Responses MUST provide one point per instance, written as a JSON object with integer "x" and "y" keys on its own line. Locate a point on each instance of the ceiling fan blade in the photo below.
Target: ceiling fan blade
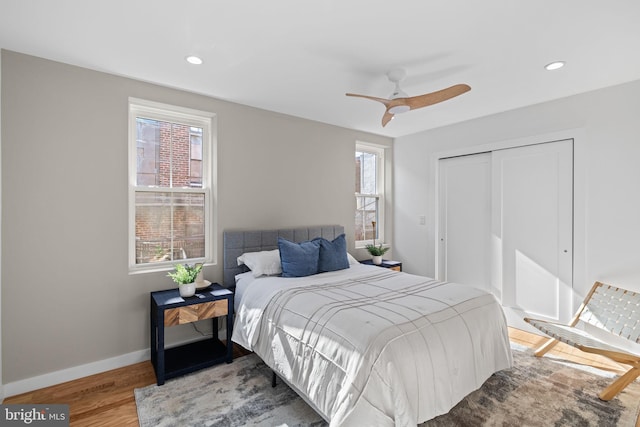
{"x": 386, "y": 118}
{"x": 436, "y": 97}
{"x": 373, "y": 98}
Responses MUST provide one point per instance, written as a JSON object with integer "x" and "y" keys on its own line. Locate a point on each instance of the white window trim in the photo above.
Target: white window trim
{"x": 171, "y": 113}
{"x": 379, "y": 150}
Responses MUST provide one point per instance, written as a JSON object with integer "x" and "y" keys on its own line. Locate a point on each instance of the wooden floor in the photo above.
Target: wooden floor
{"x": 106, "y": 399}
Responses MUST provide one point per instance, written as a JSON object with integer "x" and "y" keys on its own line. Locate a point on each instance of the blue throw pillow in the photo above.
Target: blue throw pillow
{"x": 298, "y": 259}
{"x": 333, "y": 255}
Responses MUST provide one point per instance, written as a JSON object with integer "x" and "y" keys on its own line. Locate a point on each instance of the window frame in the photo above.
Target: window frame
{"x": 379, "y": 151}
{"x": 187, "y": 116}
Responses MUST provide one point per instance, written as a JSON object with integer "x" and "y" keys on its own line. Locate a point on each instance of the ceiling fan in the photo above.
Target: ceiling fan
{"x": 400, "y": 102}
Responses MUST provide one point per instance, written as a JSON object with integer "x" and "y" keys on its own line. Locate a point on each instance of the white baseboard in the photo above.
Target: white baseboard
{"x": 69, "y": 374}
{"x": 515, "y": 319}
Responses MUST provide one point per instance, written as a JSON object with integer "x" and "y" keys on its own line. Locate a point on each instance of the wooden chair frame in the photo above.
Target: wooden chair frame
{"x": 610, "y": 309}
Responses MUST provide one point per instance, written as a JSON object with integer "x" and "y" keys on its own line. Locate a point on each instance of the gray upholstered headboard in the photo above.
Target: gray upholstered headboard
{"x": 237, "y": 242}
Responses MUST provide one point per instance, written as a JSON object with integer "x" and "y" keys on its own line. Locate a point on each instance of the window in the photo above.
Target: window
{"x": 369, "y": 215}
{"x": 170, "y": 185}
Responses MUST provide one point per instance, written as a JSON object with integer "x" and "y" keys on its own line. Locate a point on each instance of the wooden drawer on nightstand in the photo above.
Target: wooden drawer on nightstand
{"x": 193, "y": 313}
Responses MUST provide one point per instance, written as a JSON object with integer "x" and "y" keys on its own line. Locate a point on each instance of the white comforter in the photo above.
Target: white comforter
{"x": 370, "y": 346}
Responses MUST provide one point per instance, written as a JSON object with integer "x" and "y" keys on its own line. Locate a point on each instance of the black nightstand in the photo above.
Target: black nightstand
{"x": 168, "y": 308}
{"x": 386, "y": 263}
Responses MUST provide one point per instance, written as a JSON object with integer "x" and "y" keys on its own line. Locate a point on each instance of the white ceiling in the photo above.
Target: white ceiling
{"x": 300, "y": 57}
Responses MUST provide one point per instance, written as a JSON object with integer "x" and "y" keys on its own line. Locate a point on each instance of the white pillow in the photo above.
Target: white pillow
{"x": 352, "y": 260}
{"x": 262, "y": 263}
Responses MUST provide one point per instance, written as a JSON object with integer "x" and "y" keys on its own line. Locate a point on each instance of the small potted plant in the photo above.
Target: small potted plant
{"x": 185, "y": 276}
{"x": 376, "y": 252}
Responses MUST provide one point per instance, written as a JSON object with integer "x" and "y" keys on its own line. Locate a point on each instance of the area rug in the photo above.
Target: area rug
{"x": 535, "y": 392}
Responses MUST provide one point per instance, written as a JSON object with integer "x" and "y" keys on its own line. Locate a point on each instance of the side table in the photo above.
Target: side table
{"x": 386, "y": 263}
{"x": 168, "y": 308}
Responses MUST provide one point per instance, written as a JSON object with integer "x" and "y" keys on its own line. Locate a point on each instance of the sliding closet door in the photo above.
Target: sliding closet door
{"x": 532, "y": 212}
{"x": 505, "y": 225}
{"x": 465, "y": 220}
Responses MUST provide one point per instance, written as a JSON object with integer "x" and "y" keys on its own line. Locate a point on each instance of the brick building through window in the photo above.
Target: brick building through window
{"x": 169, "y": 218}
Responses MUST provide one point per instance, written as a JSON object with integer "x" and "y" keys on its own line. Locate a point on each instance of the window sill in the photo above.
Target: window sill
{"x": 364, "y": 244}
{"x": 135, "y": 270}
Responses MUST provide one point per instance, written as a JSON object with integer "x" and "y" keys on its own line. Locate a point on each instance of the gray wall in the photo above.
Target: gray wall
{"x": 606, "y": 129}
{"x": 67, "y": 297}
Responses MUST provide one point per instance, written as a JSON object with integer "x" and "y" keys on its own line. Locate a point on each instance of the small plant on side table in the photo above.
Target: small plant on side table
{"x": 185, "y": 276}
{"x": 376, "y": 250}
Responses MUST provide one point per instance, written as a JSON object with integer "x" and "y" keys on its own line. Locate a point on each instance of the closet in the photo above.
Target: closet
{"x": 505, "y": 225}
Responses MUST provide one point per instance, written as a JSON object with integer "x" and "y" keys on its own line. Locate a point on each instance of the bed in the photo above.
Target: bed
{"x": 364, "y": 345}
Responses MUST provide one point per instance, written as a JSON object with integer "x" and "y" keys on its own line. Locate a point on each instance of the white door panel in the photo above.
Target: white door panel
{"x": 532, "y": 218}
{"x": 465, "y": 205}
{"x": 505, "y": 224}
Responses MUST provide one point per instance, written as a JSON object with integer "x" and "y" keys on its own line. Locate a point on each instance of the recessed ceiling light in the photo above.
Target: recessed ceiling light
{"x": 554, "y": 65}
{"x": 194, "y": 60}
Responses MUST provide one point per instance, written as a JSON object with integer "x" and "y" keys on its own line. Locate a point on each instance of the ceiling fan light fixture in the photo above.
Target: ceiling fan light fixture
{"x": 399, "y": 109}
{"x": 400, "y": 102}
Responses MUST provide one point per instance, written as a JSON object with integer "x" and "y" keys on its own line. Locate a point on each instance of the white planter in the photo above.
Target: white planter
{"x": 377, "y": 259}
{"x": 187, "y": 290}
